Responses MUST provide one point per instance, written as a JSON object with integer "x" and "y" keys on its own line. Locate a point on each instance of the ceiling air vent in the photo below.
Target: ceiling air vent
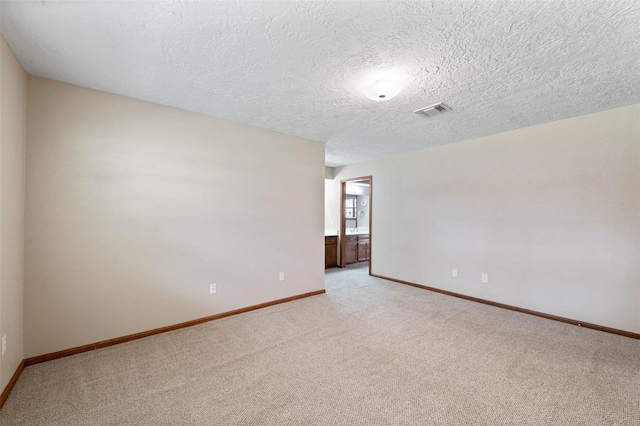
{"x": 431, "y": 110}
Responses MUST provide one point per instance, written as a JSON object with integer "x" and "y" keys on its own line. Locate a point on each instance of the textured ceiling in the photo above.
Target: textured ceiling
{"x": 299, "y": 67}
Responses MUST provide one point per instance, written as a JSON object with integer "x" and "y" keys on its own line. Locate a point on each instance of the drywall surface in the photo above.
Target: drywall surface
{"x": 332, "y": 205}
{"x": 133, "y": 209}
{"x": 551, "y": 213}
{"x": 13, "y": 116}
{"x": 363, "y": 211}
{"x": 328, "y": 172}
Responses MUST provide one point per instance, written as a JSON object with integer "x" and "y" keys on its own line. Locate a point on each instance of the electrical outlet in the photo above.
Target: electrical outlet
{"x": 212, "y": 289}
{"x": 281, "y": 276}
{"x": 4, "y": 344}
{"x": 454, "y": 273}
{"x": 484, "y": 278}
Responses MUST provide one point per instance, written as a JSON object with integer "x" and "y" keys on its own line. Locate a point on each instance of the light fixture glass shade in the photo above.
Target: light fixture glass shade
{"x": 382, "y": 90}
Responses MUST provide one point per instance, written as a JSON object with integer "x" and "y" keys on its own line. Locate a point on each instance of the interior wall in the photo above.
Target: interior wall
{"x": 363, "y": 211}
{"x": 133, "y": 209}
{"x": 328, "y": 172}
{"x": 13, "y": 108}
{"x": 551, "y": 213}
{"x": 331, "y": 206}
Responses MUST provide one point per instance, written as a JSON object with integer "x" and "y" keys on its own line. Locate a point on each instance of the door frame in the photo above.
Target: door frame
{"x": 343, "y": 226}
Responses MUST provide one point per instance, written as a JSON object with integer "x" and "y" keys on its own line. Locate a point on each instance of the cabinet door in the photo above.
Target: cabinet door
{"x": 351, "y": 252}
{"x": 330, "y": 252}
{"x": 330, "y": 256}
{"x": 363, "y": 249}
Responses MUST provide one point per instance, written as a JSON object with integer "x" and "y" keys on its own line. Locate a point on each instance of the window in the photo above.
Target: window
{"x": 351, "y": 207}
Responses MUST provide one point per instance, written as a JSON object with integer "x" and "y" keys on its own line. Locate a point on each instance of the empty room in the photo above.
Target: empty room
{"x": 173, "y": 174}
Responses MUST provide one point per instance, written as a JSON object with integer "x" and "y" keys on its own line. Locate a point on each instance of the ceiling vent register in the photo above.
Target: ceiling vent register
{"x": 433, "y": 110}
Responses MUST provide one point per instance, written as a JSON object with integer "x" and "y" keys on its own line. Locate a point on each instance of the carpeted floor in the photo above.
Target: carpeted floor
{"x": 369, "y": 352}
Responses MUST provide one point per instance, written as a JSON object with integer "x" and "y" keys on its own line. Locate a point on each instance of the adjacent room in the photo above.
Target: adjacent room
{"x": 170, "y": 170}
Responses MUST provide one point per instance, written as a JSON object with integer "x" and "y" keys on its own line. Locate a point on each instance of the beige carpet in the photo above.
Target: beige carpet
{"x": 369, "y": 352}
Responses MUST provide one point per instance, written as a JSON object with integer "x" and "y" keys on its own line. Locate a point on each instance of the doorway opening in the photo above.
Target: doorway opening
{"x": 355, "y": 221}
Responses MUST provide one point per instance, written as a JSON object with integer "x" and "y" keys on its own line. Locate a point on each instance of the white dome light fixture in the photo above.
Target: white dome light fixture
{"x": 382, "y": 90}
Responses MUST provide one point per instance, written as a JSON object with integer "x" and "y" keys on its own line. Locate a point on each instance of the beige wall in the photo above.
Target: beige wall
{"x": 363, "y": 212}
{"x": 133, "y": 209}
{"x": 331, "y": 205}
{"x": 13, "y": 108}
{"x": 551, "y": 213}
{"x": 328, "y": 172}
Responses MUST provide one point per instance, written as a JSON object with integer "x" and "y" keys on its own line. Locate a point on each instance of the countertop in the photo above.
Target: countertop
{"x": 334, "y": 232}
{"x": 357, "y": 233}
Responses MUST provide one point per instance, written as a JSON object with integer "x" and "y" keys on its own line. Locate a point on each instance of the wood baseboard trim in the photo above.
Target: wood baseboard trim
{"x": 105, "y": 343}
{"x": 7, "y": 390}
{"x": 517, "y": 309}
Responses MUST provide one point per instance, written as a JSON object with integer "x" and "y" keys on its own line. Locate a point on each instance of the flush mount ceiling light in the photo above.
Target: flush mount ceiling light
{"x": 382, "y": 90}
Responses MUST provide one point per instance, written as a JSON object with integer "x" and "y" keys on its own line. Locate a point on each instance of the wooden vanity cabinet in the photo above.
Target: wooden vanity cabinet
{"x": 357, "y": 248}
{"x": 363, "y": 248}
{"x": 351, "y": 249}
{"x": 330, "y": 251}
